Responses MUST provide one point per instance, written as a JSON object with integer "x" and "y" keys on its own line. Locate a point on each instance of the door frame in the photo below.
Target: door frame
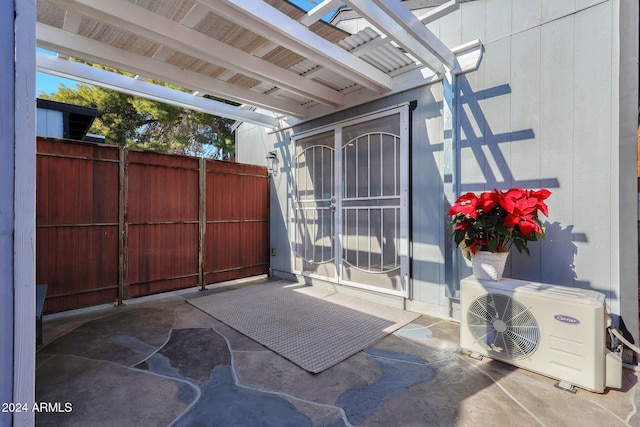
{"x": 403, "y": 110}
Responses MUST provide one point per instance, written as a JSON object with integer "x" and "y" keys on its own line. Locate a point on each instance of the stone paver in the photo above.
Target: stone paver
{"x": 167, "y": 363}
{"x": 107, "y": 394}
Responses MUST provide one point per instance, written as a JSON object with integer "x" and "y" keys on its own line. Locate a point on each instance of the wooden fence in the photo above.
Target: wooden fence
{"x": 115, "y": 223}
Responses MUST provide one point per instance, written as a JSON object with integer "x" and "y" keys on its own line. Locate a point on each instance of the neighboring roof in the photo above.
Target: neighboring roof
{"x": 267, "y": 54}
{"x": 76, "y": 119}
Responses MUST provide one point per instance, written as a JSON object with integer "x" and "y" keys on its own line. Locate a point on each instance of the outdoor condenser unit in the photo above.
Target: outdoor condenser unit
{"x": 555, "y": 331}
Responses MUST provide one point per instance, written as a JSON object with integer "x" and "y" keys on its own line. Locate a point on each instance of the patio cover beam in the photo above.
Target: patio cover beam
{"x": 377, "y": 17}
{"x": 85, "y": 73}
{"x": 440, "y": 11}
{"x": 319, "y": 11}
{"x": 152, "y": 26}
{"x": 417, "y": 30}
{"x": 388, "y": 25}
{"x": 70, "y": 44}
{"x": 268, "y": 22}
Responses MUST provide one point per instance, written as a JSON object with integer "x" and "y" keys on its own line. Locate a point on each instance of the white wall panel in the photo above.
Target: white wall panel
{"x": 253, "y": 144}
{"x": 428, "y": 210}
{"x": 498, "y": 20}
{"x": 582, "y": 4}
{"x": 525, "y": 105}
{"x": 471, "y": 27}
{"x": 525, "y": 14}
{"x": 557, "y": 146}
{"x": 593, "y": 146}
{"x": 625, "y": 133}
{"x": 451, "y": 30}
{"x": 525, "y": 121}
{"x": 474, "y": 162}
{"x": 554, "y": 9}
{"x": 496, "y": 109}
{"x": 50, "y": 123}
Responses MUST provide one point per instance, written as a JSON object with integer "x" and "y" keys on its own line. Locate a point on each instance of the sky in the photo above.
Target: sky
{"x": 48, "y": 83}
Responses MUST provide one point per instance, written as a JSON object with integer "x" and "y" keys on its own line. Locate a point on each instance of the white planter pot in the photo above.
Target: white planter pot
{"x": 489, "y": 265}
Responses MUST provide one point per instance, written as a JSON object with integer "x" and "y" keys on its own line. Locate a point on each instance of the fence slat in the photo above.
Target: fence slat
{"x": 122, "y": 229}
{"x": 76, "y": 205}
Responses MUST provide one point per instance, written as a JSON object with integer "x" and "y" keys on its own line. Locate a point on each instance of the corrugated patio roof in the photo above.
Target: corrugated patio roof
{"x": 268, "y": 54}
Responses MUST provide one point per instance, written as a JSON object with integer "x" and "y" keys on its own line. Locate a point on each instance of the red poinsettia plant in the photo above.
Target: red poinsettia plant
{"x": 494, "y": 221}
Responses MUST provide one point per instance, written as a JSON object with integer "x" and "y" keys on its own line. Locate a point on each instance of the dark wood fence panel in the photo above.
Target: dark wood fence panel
{"x": 237, "y": 229}
{"x": 114, "y": 223}
{"x": 162, "y": 223}
{"x": 77, "y": 223}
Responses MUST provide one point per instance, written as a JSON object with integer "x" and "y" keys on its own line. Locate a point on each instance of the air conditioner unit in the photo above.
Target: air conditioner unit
{"x": 555, "y": 331}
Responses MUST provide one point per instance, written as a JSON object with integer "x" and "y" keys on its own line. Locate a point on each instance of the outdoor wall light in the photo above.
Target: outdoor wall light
{"x": 272, "y": 162}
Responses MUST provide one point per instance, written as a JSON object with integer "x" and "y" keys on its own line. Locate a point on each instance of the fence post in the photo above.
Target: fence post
{"x": 202, "y": 216}
{"x": 123, "y": 197}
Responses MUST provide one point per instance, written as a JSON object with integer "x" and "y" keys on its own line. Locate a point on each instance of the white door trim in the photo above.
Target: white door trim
{"x": 403, "y": 247}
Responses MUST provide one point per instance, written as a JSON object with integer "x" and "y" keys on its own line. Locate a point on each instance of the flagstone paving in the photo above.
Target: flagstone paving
{"x": 164, "y": 362}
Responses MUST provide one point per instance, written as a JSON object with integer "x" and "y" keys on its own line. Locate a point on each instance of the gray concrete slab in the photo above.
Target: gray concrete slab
{"x": 101, "y": 393}
{"x": 125, "y": 336}
{"x": 164, "y": 362}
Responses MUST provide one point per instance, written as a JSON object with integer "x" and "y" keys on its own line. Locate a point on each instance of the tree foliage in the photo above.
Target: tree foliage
{"x": 132, "y": 121}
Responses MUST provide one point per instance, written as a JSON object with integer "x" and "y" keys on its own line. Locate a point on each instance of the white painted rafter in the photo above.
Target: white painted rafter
{"x": 316, "y": 14}
{"x": 270, "y": 23}
{"x": 191, "y": 19}
{"x": 87, "y": 74}
{"x": 303, "y": 91}
{"x": 469, "y": 56}
{"x": 144, "y": 23}
{"x": 194, "y": 16}
{"x": 440, "y": 11}
{"x": 381, "y": 20}
{"x": 90, "y": 50}
{"x": 72, "y": 21}
{"x": 417, "y": 30}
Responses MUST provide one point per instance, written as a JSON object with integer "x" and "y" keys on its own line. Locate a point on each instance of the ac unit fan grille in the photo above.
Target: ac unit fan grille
{"x": 503, "y": 326}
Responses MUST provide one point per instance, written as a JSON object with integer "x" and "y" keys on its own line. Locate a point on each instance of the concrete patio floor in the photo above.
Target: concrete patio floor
{"x": 161, "y": 361}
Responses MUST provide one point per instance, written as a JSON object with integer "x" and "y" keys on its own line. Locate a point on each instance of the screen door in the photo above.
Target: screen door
{"x": 350, "y": 203}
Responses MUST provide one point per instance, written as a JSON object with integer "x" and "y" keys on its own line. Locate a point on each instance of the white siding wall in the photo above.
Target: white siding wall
{"x": 428, "y": 216}
{"x": 554, "y": 104}
{"x": 565, "y": 120}
{"x": 50, "y": 123}
{"x": 253, "y": 144}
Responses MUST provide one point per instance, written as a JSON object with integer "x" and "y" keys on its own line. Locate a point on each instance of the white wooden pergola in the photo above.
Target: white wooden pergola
{"x": 279, "y": 64}
{"x": 271, "y": 57}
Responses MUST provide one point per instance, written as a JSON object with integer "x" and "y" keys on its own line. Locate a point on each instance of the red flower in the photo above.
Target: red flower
{"x": 496, "y": 220}
{"x": 524, "y": 222}
{"x": 522, "y": 215}
{"x": 489, "y": 200}
{"x": 467, "y": 204}
{"x": 540, "y": 196}
{"x": 509, "y": 199}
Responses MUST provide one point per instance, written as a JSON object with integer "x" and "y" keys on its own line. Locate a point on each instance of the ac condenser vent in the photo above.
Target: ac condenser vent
{"x": 554, "y": 330}
{"x": 505, "y": 328}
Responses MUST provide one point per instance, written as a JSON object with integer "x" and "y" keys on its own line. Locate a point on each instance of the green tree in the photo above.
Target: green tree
{"x": 132, "y": 121}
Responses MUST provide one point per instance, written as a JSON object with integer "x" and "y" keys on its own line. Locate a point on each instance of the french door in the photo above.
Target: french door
{"x": 349, "y": 214}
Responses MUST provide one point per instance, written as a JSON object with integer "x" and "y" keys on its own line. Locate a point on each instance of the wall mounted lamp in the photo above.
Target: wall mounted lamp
{"x": 272, "y": 162}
